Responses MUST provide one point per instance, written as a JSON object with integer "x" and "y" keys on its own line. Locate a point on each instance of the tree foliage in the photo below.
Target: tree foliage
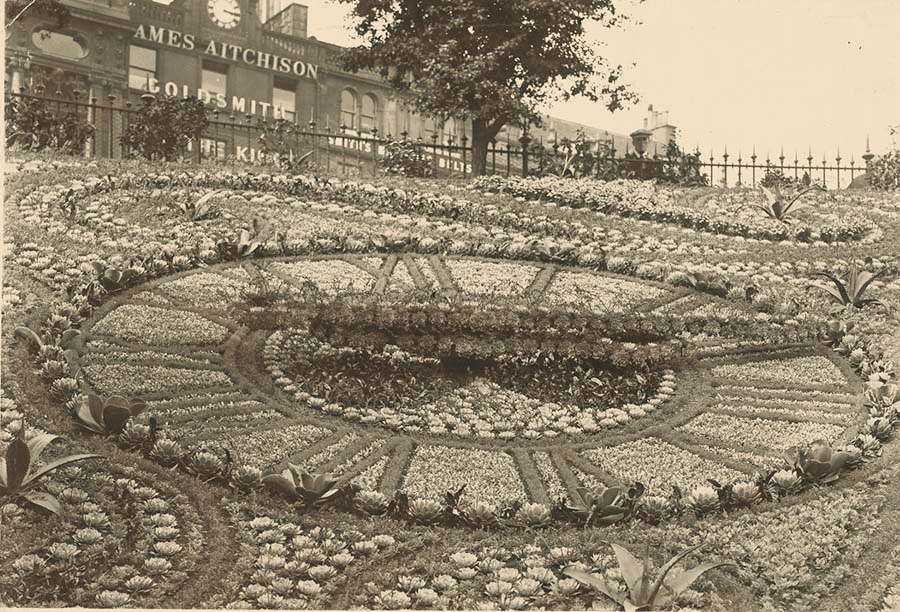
{"x": 50, "y": 13}
{"x": 491, "y": 61}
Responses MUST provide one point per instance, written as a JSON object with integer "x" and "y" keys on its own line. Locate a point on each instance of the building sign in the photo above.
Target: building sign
{"x": 238, "y": 104}
{"x": 235, "y": 53}
{"x": 361, "y": 143}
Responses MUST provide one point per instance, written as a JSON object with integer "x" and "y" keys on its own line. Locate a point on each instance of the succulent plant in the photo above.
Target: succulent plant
{"x": 135, "y": 435}
{"x": 787, "y": 482}
{"x": 818, "y": 464}
{"x": 878, "y": 427}
{"x": 869, "y": 445}
{"x": 201, "y": 209}
{"x": 297, "y": 484}
{"x": 603, "y": 504}
{"x": 425, "y": 511}
{"x": 535, "y": 515}
{"x": 17, "y": 469}
{"x": 242, "y": 247}
{"x": 107, "y": 417}
{"x": 775, "y": 206}
{"x": 642, "y": 594}
{"x": 167, "y": 452}
{"x": 883, "y": 400}
{"x": 114, "y": 280}
{"x": 206, "y": 465}
{"x": 482, "y": 515}
{"x": 246, "y": 477}
{"x": 372, "y": 502}
{"x": 745, "y": 494}
{"x": 850, "y": 292}
{"x": 703, "y": 500}
{"x": 52, "y": 369}
{"x": 47, "y": 341}
{"x": 654, "y": 508}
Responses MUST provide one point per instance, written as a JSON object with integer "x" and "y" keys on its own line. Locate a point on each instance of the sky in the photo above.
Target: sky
{"x": 738, "y": 75}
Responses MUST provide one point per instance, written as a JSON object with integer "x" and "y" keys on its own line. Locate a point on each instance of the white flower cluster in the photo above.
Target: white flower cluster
{"x": 489, "y": 476}
{"x": 160, "y": 326}
{"x": 658, "y": 465}
{"x": 799, "y": 370}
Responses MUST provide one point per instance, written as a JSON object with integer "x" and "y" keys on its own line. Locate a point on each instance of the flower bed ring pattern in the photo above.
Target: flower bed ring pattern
{"x": 480, "y": 414}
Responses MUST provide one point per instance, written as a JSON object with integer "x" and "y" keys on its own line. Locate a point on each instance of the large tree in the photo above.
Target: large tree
{"x": 491, "y": 61}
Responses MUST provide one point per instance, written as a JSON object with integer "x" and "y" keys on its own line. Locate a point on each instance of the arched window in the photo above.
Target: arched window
{"x": 428, "y": 129}
{"x": 450, "y": 132}
{"x": 368, "y": 114}
{"x": 348, "y": 109}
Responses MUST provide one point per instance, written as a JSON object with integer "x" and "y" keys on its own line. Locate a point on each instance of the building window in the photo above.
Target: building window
{"x": 141, "y": 67}
{"x": 450, "y": 132}
{"x": 212, "y": 149}
{"x": 57, "y": 43}
{"x": 214, "y": 78}
{"x": 284, "y": 99}
{"x": 367, "y": 116}
{"x": 348, "y": 109}
{"x": 428, "y": 129}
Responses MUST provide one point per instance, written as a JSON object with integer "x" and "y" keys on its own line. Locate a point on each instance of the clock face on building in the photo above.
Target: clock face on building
{"x": 224, "y": 13}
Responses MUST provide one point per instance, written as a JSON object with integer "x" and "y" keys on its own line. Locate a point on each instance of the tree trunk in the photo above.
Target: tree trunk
{"x": 483, "y": 133}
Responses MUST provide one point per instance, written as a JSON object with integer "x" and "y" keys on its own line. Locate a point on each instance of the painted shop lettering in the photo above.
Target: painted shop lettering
{"x": 238, "y": 105}
{"x": 235, "y": 53}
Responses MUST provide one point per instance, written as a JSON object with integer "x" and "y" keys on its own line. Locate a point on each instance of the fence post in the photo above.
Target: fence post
{"x": 725, "y": 167}
{"x": 434, "y": 137}
{"x": 493, "y": 156}
{"x": 524, "y": 140}
{"x": 541, "y": 158}
{"x": 465, "y": 140}
{"x": 739, "y": 169}
{"x": 809, "y": 159}
{"x": 838, "y": 160}
{"x": 753, "y": 159}
{"x": 374, "y": 151}
{"x": 450, "y": 156}
{"x": 612, "y": 158}
{"x": 824, "y": 161}
{"x": 508, "y": 153}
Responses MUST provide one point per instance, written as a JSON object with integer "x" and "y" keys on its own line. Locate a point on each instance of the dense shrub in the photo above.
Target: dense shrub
{"x": 406, "y": 158}
{"x": 34, "y": 124}
{"x": 885, "y": 171}
{"x": 165, "y": 125}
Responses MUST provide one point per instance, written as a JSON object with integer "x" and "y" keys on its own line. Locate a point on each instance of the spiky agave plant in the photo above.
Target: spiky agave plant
{"x": 850, "y": 292}
{"x": 642, "y": 594}
{"x": 604, "y": 504}
{"x": 17, "y": 469}
{"x": 775, "y": 206}
{"x": 298, "y": 484}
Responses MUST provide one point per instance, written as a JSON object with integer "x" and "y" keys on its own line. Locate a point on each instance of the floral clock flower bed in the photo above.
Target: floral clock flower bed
{"x": 350, "y": 371}
{"x": 459, "y": 360}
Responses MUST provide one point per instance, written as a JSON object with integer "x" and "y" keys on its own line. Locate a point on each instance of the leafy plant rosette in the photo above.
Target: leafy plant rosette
{"x": 402, "y": 365}
{"x": 19, "y": 474}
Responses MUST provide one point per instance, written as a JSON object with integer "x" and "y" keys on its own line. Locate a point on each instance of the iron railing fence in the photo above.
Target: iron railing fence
{"x": 239, "y": 140}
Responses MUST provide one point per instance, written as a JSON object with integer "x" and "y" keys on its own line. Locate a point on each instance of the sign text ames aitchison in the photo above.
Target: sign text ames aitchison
{"x": 235, "y": 53}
